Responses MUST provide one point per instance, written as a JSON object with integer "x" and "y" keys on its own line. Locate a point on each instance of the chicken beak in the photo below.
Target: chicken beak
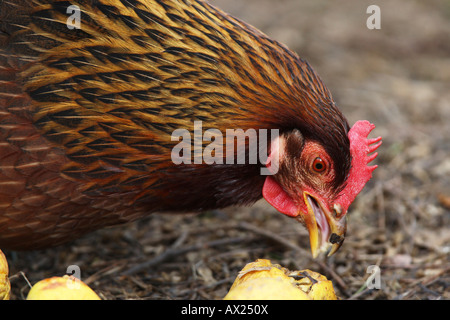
{"x": 326, "y": 229}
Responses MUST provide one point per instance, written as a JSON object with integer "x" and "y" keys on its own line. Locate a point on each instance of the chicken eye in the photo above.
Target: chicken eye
{"x": 319, "y": 165}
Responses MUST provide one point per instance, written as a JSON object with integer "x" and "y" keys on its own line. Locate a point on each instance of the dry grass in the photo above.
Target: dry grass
{"x": 398, "y": 78}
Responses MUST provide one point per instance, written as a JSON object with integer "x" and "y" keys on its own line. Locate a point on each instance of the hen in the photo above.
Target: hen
{"x": 91, "y": 93}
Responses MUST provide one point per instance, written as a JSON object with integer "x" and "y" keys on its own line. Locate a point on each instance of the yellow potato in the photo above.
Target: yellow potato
{"x": 5, "y": 286}
{"x": 262, "y": 280}
{"x": 61, "y": 288}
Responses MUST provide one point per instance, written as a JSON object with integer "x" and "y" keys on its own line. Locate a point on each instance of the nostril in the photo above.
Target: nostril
{"x": 337, "y": 210}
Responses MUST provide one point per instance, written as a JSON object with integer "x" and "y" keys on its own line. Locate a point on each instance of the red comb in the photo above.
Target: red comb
{"x": 360, "y": 171}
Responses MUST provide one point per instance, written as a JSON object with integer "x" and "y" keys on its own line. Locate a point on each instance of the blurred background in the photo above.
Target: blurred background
{"x": 398, "y": 77}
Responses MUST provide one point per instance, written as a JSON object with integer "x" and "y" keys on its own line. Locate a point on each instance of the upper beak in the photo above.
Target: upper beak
{"x": 326, "y": 229}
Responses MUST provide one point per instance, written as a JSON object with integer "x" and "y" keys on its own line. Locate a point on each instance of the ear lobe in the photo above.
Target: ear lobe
{"x": 272, "y": 191}
{"x": 276, "y": 154}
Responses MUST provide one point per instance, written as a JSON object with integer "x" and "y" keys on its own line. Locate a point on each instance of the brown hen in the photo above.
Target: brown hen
{"x": 87, "y": 115}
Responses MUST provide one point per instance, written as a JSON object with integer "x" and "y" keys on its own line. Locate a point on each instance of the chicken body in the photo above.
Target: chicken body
{"x": 87, "y": 114}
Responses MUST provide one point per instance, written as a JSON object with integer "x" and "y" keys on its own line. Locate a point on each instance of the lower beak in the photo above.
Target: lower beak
{"x": 326, "y": 229}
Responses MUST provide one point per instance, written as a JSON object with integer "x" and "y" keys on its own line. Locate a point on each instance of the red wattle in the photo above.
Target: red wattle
{"x": 278, "y": 198}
